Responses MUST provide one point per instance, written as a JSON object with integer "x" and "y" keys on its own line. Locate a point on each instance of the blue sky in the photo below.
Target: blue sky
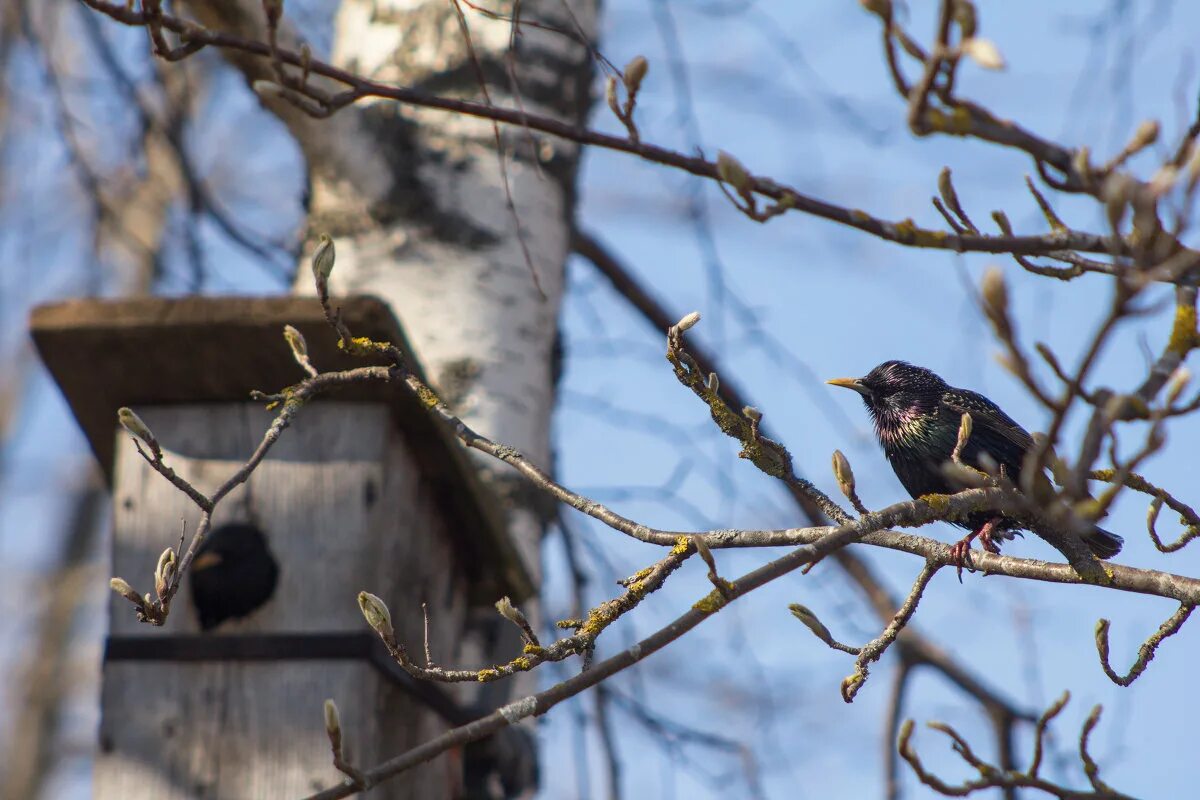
{"x": 797, "y": 91}
{"x": 800, "y": 92}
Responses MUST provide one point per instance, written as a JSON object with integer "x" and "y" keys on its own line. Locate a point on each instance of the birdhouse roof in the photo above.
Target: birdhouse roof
{"x": 105, "y": 354}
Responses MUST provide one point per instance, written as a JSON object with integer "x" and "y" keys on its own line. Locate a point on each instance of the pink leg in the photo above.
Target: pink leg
{"x": 960, "y": 549}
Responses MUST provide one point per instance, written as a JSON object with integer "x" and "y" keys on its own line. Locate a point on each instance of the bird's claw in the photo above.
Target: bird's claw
{"x": 960, "y": 549}
{"x": 958, "y": 554}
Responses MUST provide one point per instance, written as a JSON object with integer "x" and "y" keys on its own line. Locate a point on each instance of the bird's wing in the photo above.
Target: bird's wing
{"x": 993, "y": 431}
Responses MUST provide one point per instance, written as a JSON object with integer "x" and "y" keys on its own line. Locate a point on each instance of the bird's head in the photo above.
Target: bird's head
{"x": 897, "y": 390}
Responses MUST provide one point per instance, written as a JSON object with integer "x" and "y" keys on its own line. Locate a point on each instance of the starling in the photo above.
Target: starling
{"x": 917, "y": 417}
{"x": 232, "y": 575}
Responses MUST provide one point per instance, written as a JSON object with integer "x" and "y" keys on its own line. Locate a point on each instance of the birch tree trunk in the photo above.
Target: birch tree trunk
{"x": 437, "y": 238}
{"x": 417, "y": 203}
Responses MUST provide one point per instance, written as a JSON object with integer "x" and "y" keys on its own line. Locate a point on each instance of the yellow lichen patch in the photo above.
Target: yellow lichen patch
{"x": 681, "y": 546}
{"x": 1183, "y": 333}
{"x": 485, "y": 675}
{"x": 639, "y": 576}
{"x": 859, "y": 217}
{"x": 938, "y": 502}
{"x": 906, "y": 231}
{"x": 522, "y": 663}
{"x": 1103, "y": 577}
{"x": 362, "y": 345}
{"x": 599, "y": 618}
{"x": 533, "y": 650}
{"x": 427, "y": 396}
{"x": 960, "y": 121}
{"x": 710, "y": 603}
{"x": 927, "y": 238}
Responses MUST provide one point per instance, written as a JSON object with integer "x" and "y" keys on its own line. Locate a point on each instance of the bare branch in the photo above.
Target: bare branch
{"x": 906, "y": 232}
{"x": 875, "y": 648}
{"x": 1148, "y": 649}
{"x": 993, "y": 777}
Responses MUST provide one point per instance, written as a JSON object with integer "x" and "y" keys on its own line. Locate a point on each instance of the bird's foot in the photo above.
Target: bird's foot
{"x": 985, "y": 536}
{"x": 960, "y": 549}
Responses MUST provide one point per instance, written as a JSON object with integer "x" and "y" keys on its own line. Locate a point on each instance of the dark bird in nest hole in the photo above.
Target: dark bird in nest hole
{"x": 917, "y": 417}
{"x": 233, "y": 574}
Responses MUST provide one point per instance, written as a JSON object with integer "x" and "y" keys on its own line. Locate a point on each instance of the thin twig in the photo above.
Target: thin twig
{"x": 1148, "y": 649}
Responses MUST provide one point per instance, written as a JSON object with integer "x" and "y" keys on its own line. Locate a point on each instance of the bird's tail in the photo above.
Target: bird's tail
{"x": 1103, "y": 543}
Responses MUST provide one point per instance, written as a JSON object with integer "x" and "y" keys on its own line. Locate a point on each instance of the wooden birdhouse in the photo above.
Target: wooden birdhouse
{"x": 365, "y": 491}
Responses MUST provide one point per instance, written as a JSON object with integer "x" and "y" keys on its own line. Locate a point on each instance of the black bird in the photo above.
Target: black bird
{"x": 232, "y": 575}
{"x": 917, "y": 417}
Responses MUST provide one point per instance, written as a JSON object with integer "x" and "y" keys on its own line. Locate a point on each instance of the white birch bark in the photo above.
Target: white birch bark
{"x": 416, "y": 203}
{"x": 442, "y": 246}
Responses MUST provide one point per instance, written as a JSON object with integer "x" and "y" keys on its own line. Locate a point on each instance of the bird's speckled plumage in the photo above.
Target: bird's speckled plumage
{"x": 917, "y": 417}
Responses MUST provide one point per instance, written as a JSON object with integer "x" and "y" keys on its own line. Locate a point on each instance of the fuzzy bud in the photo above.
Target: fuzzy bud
{"x": 1146, "y": 135}
{"x": 333, "y": 724}
{"x": 714, "y": 383}
{"x": 134, "y": 424}
{"x": 946, "y": 189}
{"x": 965, "y": 426}
{"x": 1002, "y": 222}
{"x": 322, "y": 260}
{"x": 730, "y": 170}
{"x": 510, "y": 612}
{"x": 122, "y": 587}
{"x": 377, "y": 615}
{"x": 635, "y": 72}
{"x": 751, "y": 413}
{"x": 295, "y": 340}
{"x": 514, "y": 615}
{"x": 995, "y": 294}
{"x": 842, "y": 471}
{"x": 983, "y": 52}
{"x": 811, "y": 622}
{"x": 688, "y": 322}
{"x": 163, "y": 572}
{"x": 610, "y": 93}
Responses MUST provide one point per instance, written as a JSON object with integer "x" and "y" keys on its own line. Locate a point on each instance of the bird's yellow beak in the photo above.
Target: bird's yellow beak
{"x": 848, "y": 383}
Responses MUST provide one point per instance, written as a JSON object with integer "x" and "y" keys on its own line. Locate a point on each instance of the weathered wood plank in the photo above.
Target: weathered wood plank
{"x": 344, "y": 507}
